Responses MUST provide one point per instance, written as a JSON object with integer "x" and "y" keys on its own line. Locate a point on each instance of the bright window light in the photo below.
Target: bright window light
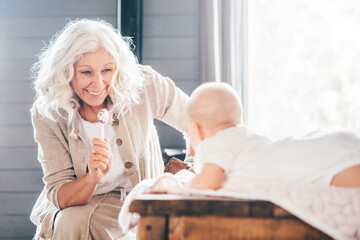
{"x": 304, "y": 66}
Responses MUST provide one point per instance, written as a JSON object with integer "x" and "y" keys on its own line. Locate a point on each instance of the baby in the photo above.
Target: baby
{"x": 226, "y": 151}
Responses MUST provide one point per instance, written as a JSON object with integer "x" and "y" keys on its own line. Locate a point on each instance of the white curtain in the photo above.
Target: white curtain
{"x": 223, "y": 44}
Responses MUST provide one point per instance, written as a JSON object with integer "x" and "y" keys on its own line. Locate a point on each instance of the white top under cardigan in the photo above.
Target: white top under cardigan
{"x": 116, "y": 177}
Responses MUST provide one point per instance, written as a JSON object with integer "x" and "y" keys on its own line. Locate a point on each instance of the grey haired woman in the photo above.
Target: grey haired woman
{"x": 87, "y": 67}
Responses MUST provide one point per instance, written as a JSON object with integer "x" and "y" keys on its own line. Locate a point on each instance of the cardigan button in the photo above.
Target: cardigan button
{"x": 115, "y": 122}
{"x": 128, "y": 165}
{"x": 118, "y": 141}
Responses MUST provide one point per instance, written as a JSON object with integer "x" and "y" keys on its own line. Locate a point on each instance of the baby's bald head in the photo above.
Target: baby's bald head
{"x": 215, "y": 106}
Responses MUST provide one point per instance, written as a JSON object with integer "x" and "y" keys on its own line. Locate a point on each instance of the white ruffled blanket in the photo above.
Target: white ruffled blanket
{"x": 333, "y": 210}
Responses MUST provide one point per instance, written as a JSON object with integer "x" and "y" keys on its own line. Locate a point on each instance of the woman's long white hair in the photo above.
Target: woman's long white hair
{"x": 55, "y": 69}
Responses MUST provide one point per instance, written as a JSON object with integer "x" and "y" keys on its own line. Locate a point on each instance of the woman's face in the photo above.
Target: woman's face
{"x": 92, "y": 77}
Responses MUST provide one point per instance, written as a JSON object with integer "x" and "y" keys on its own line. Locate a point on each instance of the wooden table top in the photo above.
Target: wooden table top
{"x": 175, "y": 205}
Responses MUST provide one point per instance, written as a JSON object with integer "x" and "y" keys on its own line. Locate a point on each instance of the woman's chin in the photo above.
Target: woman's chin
{"x": 94, "y": 103}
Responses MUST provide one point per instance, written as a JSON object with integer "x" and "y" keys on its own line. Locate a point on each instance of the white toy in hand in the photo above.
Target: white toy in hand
{"x": 103, "y": 117}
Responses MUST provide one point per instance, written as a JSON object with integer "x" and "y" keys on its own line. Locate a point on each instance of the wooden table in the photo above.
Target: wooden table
{"x": 166, "y": 216}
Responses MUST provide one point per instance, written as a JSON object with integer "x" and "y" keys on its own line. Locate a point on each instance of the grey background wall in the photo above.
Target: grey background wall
{"x": 170, "y": 46}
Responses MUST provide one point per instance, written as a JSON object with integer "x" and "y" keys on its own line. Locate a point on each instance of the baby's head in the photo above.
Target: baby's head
{"x": 212, "y": 107}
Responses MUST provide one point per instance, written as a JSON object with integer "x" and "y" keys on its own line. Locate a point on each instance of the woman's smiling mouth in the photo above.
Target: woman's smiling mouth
{"x": 95, "y": 93}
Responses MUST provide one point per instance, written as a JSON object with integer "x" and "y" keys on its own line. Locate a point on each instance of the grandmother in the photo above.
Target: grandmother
{"x": 88, "y": 66}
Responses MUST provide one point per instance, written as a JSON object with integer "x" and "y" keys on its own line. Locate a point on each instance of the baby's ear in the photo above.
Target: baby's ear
{"x": 199, "y": 130}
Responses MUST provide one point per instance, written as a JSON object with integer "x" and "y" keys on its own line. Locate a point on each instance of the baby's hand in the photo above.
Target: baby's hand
{"x": 100, "y": 159}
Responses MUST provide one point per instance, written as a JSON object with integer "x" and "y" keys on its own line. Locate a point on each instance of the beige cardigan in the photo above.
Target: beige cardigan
{"x": 63, "y": 157}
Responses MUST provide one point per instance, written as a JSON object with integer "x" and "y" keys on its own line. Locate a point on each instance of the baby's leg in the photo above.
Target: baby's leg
{"x": 349, "y": 177}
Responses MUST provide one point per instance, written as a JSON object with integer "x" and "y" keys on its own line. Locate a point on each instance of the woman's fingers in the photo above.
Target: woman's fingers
{"x": 97, "y": 150}
{"x": 109, "y": 165}
{"x": 98, "y": 165}
{"x": 101, "y": 143}
{"x": 99, "y": 158}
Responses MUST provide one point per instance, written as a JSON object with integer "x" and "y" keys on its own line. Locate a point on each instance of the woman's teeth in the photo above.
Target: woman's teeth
{"x": 95, "y": 93}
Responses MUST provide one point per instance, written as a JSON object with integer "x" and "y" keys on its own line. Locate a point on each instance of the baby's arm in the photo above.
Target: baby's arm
{"x": 349, "y": 177}
{"x": 210, "y": 177}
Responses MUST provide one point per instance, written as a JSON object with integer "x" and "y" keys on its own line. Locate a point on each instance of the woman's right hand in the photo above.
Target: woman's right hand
{"x": 100, "y": 159}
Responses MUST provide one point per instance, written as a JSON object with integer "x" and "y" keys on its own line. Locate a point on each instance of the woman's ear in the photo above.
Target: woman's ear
{"x": 199, "y": 130}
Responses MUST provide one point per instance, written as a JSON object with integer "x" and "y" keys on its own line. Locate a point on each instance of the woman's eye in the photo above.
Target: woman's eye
{"x": 107, "y": 70}
{"x": 86, "y": 72}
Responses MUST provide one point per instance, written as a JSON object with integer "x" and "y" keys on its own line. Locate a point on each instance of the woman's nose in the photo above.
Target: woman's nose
{"x": 98, "y": 79}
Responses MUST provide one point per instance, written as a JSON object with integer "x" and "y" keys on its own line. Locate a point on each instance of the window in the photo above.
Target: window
{"x": 304, "y": 66}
